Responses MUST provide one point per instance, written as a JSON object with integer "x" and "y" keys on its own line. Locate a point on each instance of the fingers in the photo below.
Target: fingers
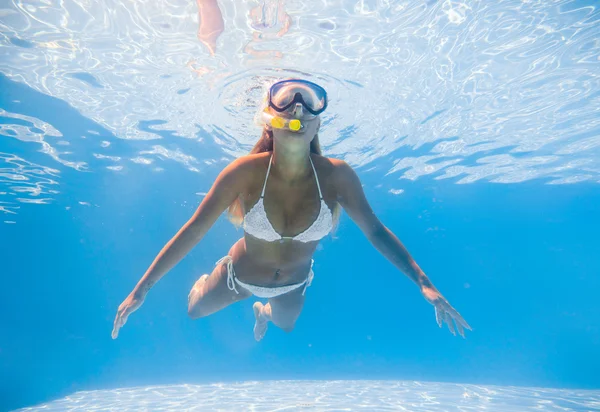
{"x": 120, "y": 320}
{"x": 461, "y": 321}
{"x": 464, "y": 323}
{"x": 438, "y": 316}
{"x": 116, "y": 327}
{"x": 450, "y": 323}
{"x": 458, "y": 319}
{"x": 446, "y": 313}
{"x": 461, "y": 331}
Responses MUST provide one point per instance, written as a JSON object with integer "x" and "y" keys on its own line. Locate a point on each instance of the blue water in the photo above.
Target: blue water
{"x": 473, "y": 128}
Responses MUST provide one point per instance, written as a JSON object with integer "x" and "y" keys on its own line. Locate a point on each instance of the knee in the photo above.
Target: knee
{"x": 287, "y": 327}
{"x": 284, "y": 320}
{"x": 195, "y": 298}
{"x": 196, "y": 312}
{"x": 193, "y": 313}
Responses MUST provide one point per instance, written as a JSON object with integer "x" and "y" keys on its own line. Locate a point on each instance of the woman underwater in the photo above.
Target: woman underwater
{"x": 287, "y": 198}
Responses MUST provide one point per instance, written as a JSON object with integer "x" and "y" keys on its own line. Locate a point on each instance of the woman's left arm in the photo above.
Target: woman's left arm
{"x": 352, "y": 198}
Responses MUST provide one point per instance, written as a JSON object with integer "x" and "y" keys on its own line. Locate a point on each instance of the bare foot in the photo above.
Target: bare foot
{"x": 260, "y": 327}
{"x": 197, "y": 288}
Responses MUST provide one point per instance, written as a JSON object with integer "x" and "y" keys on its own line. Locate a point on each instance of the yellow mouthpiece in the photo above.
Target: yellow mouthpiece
{"x": 277, "y": 122}
{"x": 295, "y": 125}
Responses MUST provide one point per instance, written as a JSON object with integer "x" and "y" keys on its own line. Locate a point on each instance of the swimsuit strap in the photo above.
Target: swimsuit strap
{"x": 266, "y": 177}
{"x": 316, "y": 177}
{"x": 228, "y": 260}
{"x": 309, "y": 279}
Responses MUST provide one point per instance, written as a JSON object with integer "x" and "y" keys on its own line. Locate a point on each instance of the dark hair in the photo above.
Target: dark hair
{"x": 265, "y": 144}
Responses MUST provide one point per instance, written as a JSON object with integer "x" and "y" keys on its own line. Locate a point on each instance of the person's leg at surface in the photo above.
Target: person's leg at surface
{"x": 213, "y": 293}
{"x": 211, "y": 23}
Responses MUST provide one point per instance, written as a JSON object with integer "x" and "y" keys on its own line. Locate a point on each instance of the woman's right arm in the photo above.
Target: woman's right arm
{"x": 224, "y": 191}
{"x": 226, "y": 188}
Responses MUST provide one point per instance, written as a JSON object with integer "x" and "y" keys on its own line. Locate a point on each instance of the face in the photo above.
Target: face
{"x": 311, "y": 123}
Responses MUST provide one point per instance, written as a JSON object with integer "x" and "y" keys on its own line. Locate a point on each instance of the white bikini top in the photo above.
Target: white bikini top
{"x": 258, "y": 225}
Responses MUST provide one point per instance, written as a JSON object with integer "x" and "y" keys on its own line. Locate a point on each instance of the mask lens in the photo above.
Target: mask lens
{"x": 313, "y": 98}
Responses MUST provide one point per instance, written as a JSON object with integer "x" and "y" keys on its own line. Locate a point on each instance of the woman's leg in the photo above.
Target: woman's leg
{"x": 211, "y": 23}
{"x": 282, "y": 310}
{"x": 211, "y": 293}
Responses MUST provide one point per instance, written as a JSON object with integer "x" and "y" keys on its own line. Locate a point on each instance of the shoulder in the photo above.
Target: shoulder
{"x": 249, "y": 163}
{"x": 327, "y": 164}
{"x": 337, "y": 170}
{"x": 242, "y": 171}
{"x": 251, "y": 159}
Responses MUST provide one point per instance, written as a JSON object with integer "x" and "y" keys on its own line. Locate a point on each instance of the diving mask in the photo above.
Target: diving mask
{"x": 313, "y": 98}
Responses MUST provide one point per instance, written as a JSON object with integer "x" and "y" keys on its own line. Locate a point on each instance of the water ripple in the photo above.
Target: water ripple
{"x": 25, "y": 182}
{"x": 448, "y": 82}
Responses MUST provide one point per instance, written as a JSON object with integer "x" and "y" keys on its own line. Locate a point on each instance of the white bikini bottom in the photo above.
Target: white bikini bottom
{"x": 261, "y": 291}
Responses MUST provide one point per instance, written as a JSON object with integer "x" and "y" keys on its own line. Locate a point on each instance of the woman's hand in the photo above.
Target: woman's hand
{"x": 129, "y": 305}
{"x": 444, "y": 312}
